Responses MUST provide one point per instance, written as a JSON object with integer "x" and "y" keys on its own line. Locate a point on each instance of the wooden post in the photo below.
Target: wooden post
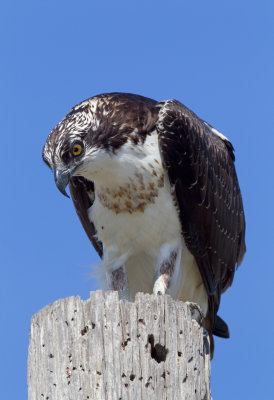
{"x": 103, "y": 348}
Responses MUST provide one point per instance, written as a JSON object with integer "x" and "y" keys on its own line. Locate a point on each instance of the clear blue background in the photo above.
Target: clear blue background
{"x": 214, "y": 56}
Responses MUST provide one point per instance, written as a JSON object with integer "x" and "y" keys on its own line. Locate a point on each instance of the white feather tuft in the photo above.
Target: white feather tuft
{"x": 98, "y": 273}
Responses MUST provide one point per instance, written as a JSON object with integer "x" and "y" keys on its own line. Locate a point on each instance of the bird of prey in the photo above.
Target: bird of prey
{"x": 156, "y": 191}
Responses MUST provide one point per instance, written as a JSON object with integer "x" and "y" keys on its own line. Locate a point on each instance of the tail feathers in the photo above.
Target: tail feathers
{"x": 220, "y": 328}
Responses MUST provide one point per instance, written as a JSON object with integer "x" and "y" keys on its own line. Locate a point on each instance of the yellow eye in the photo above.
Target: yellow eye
{"x": 77, "y": 149}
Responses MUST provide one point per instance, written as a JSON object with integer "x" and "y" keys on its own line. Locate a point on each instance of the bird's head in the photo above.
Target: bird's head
{"x": 84, "y": 142}
{"x": 69, "y": 145}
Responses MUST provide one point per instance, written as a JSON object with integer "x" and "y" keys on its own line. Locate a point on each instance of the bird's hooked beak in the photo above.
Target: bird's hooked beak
{"x": 62, "y": 177}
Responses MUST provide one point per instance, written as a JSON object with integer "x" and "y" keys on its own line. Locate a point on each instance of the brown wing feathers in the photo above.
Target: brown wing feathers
{"x": 82, "y": 193}
{"x": 201, "y": 169}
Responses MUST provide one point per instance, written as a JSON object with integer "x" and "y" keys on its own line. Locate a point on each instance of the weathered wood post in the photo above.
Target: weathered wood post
{"x": 104, "y": 348}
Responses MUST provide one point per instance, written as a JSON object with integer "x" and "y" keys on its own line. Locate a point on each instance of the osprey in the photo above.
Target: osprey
{"x": 157, "y": 193}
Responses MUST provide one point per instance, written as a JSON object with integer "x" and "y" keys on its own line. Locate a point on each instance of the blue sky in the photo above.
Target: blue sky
{"x": 218, "y": 59}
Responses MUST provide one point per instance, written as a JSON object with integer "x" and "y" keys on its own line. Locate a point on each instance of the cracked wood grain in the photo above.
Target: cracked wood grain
{"x": 106, "y": 349}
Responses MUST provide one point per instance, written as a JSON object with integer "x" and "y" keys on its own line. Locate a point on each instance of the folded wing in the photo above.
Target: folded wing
{"x": 200, "y": 166}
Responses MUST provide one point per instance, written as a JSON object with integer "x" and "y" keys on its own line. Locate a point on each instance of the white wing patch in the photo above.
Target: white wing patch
{"x": 217, "y": 133}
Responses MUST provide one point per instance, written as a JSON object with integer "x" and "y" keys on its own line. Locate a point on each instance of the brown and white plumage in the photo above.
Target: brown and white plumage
{"x": 156, "y": 191}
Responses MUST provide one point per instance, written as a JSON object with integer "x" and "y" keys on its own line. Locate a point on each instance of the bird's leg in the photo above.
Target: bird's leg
{"x": 196, "y": 311}
{"x": 168, "y": 262}
{"x": 117, "y": 280}
{"x": 114, "y": 265}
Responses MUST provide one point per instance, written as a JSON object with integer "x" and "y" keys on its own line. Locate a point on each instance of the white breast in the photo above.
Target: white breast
{"x": 135, "y": 215}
